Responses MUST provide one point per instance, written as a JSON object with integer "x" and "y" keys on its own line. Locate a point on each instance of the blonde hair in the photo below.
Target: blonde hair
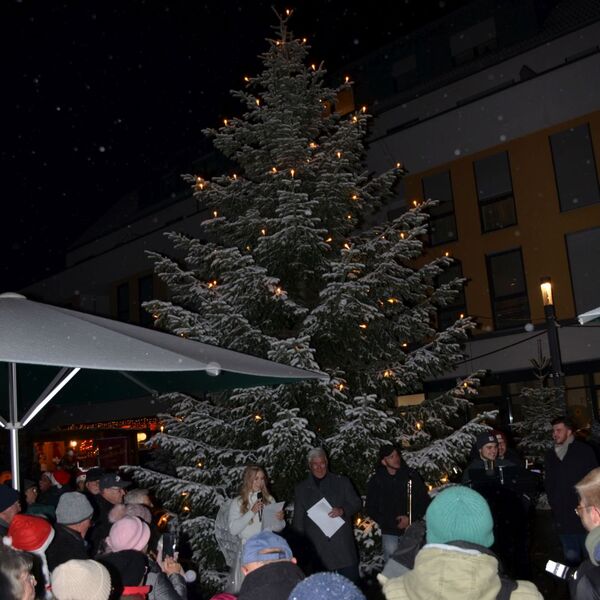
{"x": 250, "y": 473}
{"x": 589, "y": 488}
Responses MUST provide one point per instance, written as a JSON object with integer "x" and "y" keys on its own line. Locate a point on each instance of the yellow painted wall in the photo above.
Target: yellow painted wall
{"x": 540, "y": 229}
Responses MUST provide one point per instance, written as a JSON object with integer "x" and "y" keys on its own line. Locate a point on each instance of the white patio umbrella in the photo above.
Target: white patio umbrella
{"x": 590, "y": 317}
{"x": 46, "y": 347}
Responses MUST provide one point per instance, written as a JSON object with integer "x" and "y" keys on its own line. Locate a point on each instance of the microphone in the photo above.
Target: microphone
{"x": 259, "y": 497}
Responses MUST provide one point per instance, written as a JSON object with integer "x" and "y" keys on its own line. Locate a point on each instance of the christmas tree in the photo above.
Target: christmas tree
{"x": 539, "y": 405}
{"x": 288, "y": 271}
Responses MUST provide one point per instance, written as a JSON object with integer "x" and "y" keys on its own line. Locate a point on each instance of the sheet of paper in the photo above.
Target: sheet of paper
{"x": 319, "y": 514}
{"x": 269, "y": 521}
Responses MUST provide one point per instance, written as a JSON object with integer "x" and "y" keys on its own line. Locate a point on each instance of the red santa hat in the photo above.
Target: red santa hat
{"x": 29, "y": 533}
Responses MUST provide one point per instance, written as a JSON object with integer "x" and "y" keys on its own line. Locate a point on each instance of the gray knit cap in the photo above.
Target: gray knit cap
{"x": 72, "y": 508}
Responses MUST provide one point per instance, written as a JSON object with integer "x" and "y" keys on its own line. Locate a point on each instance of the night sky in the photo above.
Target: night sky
{"x": 99, "y": 95}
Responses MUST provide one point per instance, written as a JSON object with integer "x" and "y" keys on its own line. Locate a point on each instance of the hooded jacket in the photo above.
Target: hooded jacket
{"x": 445, "y": 572}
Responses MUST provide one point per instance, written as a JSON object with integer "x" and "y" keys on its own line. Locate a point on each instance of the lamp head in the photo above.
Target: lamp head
{"x": 546, "y": 289}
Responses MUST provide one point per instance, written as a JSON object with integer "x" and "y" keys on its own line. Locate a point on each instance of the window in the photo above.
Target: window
{"x": 583, "y": 249}
{"x": 145, "y": 293}
{"x": 448, "y": 315}
{"x": 495, "y": 193}
{"x": 442, "y": 225}
{"x": 508, "y": 291}
{"x": 123, "y": 302}
{"x": 575, "y": 168}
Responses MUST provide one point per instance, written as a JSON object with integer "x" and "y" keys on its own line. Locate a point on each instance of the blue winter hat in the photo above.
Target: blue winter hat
{"x": 459, "y": 513}
{"x": 325, "y": 586}
{"x": 264, "y": 546}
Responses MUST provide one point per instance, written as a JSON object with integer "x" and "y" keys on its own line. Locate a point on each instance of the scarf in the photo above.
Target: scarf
{"x": 561, "y": 449}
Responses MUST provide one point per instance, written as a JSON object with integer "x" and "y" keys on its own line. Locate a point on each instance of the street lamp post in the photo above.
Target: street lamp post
{"x": 552, "y": 330}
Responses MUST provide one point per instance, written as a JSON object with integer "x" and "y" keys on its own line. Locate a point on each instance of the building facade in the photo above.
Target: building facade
{"x": 495, "y": 112}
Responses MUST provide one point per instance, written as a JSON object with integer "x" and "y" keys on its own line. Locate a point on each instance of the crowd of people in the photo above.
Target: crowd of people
{"x": 88, "y": 538}
{"x": 82, "y": 537}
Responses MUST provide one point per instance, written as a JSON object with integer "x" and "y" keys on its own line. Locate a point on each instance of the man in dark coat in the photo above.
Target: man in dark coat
{"x": 73, "y": 519}
{"x": 387, "y": 497}
{"x": 568, "y": 462}
{"x": 338, "y": 552}
{"x": 112, "y": 492}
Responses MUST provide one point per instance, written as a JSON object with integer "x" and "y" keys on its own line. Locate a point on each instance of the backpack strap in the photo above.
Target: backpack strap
{"x": 507, "y": 587}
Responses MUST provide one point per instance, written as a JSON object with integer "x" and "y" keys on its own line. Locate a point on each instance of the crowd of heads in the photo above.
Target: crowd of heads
{"x": 48, "y": 533}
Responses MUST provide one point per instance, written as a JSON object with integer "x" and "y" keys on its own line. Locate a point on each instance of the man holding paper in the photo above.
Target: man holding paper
{"x": 324, "y": 504}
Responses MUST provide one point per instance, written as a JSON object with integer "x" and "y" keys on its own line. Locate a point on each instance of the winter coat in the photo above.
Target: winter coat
{"x": 448, "y": 572}
{"x": 339, "y": 550}
{"x": 171, "y": 587}
{"x": 478, "y": 465}
{"x": 66, "y": 545}
{"x": 387, "y": 497}
{"x": 101, "y": 528}
{"x": 586, "y": 586}
{"x": 245, "y": 526}
{"x": 274, "y": 581}
{"x": 560, "y": 479}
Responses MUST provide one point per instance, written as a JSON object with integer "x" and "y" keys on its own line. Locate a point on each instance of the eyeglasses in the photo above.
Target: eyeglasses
{"x": 579, "y": 508}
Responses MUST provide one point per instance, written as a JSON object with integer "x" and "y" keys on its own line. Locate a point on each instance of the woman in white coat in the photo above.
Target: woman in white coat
{"x": 245, "y": 513}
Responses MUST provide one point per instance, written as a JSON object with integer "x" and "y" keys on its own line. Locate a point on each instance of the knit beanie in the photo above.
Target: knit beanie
{"x": 127, "y": 568}
{"x": 485, "y": 438}
{"x": 30, "y": 533}
{"x": 118, "y": 511}
{"x": 324, "y": 586}
{"x": 459, "y": 513}
{"x": 73, "y": 507}
{"x": 81, "y": 580}
{"x": 8, "y": 496}
{"x": 128, "y": 533}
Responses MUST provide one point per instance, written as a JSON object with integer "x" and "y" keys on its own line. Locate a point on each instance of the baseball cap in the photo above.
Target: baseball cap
{"x": 110, "y": 480}
{"x": 94, "y": 474}
{"x": 264, "y": 546}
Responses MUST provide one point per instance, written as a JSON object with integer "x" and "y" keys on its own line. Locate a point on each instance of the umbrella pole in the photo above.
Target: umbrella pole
{"x": 13, "y": 424}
